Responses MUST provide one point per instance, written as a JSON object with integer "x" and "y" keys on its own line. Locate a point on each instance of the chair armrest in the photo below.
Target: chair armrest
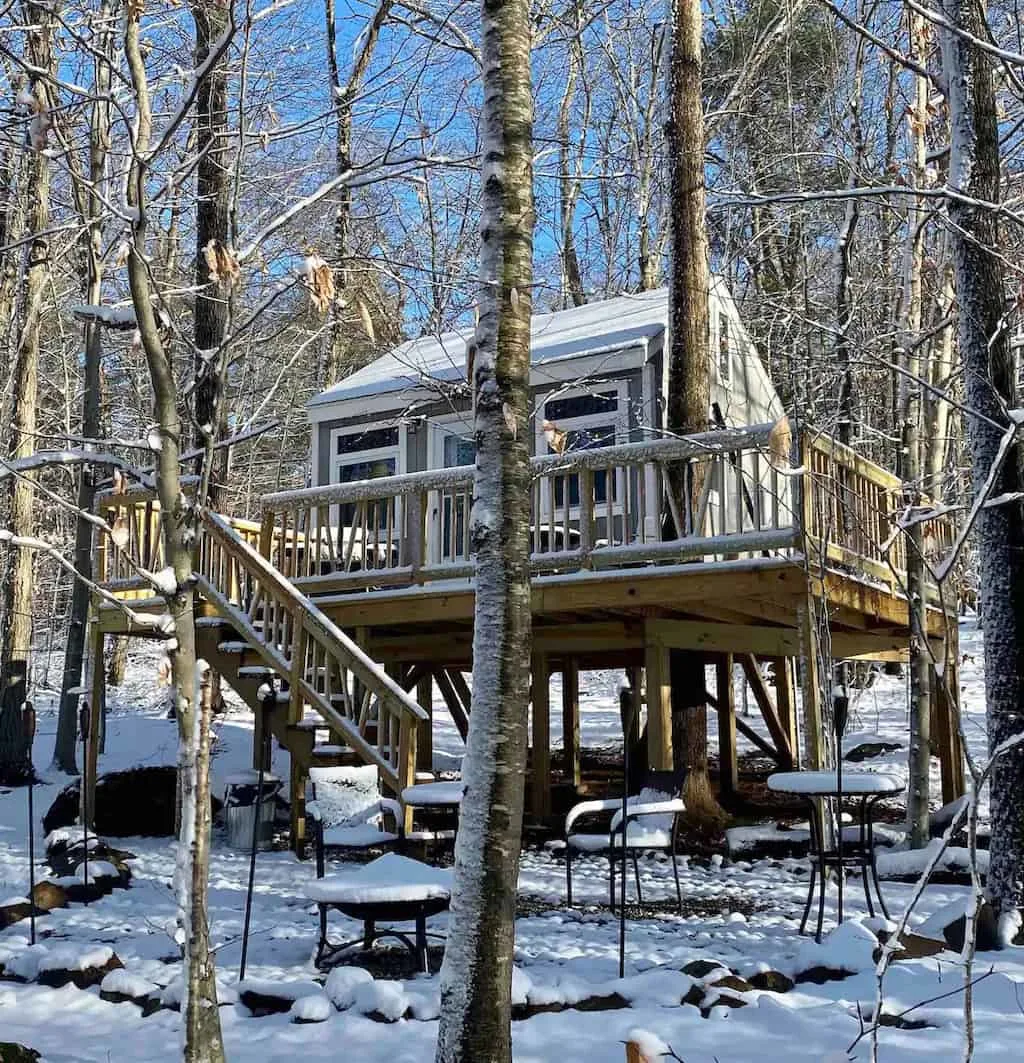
{"x": 654, "y": 808}
{"x": 609, "y": 804}
{"x": 393, "y": 808}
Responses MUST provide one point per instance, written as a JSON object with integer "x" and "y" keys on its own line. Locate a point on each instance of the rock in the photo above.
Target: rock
{"x": 120, "y": 987}
{"x": 61, "y": 968}
{"x": 269, "y": 997}
{"x": 47, "y": 895}
{"x": 819, "y": 975}
{"x": 868, "y": 750}
{"x": 14, "y": 913}
{"x": 150, "y": 1004}
{"x": 607, "y": 1002}
{"x": 12, "y": 1053}
{"x": 694, "y": 995}
{"x": 771, "y": 982}
{"x": 702, "y": 968}
{"x": 915, "y": 947}
{"x": 987, "y": 930}
{"x": 720, "y": 1000}
{"x": 135, "y": 803}
{"x": 730, "y": 981}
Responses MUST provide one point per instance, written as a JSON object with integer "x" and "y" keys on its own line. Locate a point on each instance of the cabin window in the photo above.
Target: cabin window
{"x": 365, "y": 454}
{"x": 458, "y": 450}
{"x": 583, "y": 420}
{"x": 724, "y": 350}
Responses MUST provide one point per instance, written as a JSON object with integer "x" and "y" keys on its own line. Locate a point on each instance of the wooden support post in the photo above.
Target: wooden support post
{"x": 725, "y": 705}
{"x": 425, "y": 738}
{"x": 571, "y": 719}
{"x": 540, "y": 780}
{"x": 810, "y": 685}
{"x": 763, "y": 697}
{"x": 659, "y": 706}
{"x": 947, "y": 717}
{"x": 406, "y": 768}
{"x": 785, "y": 702}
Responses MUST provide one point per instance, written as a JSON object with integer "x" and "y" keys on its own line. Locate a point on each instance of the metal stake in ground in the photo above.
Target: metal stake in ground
{"x": 627, "y": 708}
{"x": 28, "y": 723}
{"x": 83, "y": 727}
{"x": 267, "y": 708}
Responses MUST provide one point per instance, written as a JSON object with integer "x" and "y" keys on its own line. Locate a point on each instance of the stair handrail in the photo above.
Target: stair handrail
{"x": 265, "y": 571}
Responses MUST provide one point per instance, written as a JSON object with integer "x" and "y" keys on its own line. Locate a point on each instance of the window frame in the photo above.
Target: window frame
{"x": 617, "y": 418}
{"x": 395, "y": 450}
{"x": 439, "y": 429}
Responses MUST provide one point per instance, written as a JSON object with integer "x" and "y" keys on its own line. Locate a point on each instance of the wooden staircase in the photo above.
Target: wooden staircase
{"x": 308, "y": 683}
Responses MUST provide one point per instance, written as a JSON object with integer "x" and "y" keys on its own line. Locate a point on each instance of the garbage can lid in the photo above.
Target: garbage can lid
{"x": 250, "y": 778}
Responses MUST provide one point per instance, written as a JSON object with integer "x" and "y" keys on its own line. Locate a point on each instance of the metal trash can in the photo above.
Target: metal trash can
{"x": 240, "y": 794}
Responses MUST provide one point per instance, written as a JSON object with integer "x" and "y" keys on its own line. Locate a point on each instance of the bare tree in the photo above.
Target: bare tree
{"x": 988, "y": 365}
{"x": 476, "y": 979}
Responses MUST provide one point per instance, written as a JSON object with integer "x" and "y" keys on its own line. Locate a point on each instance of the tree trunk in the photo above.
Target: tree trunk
{"x": 919, "y": 788}
{"x": 91, "y": 208}
{"x": 203, "y": 1042}
{"x": 989, "y": 387}
{"x": 476, "y": 979}
{"x": 689, "y": 381}
{"x": 16, "y": 616}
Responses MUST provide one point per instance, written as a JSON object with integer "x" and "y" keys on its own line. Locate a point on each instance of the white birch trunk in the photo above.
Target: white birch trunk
{"x": 476, "y": 979}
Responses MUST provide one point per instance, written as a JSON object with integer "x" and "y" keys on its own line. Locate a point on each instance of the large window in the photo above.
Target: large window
{"x": 589, "y": 419}
{"x": 365, "y": 454}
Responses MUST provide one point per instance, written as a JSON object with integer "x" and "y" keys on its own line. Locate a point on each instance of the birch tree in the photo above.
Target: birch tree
{"x": 988, "y": 364}
{"x": 476, "y": 979}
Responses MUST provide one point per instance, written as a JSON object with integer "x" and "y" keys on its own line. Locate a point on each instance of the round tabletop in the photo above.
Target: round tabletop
{"x": 434, "y": 794}
{"x": 825, "y": 783}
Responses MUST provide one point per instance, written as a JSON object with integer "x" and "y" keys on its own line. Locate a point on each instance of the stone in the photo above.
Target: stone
{"x": 14, "y": 913}
{"x": 702, "y": 968}
{"x": 47, "y": 895}
{"x": 150, "y": 1003}
{"x": 81, "y": 978}
{"x": 13, "y": 1053}
{"x": 730, "y": 981}
{"x": 262, "y": 1002}
{"x": 820, "y": 974}
{"x": 771, "y": 982}
{"x": 135, "y": 803}
{"x": 868, "y": 750}
{"x": 694, "y": 995}
{"x": 915, "y": 947}
{"x": 720, "y": 1000}
{"x": 986, "y": 927}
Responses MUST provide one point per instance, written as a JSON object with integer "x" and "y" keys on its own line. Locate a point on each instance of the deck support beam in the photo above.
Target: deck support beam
{"x": 425, "y": 737}
{"x": 785, "y": 702}
{"x": 459, "y": 711}
{"x": 659, "y": 705}
{"x": 540, "y": 779}
{"x": 763, "y": 697}
{"x": 728, "y": 767}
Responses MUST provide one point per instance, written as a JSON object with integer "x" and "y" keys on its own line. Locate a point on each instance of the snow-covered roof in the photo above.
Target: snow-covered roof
{"x": 626, "y": 321}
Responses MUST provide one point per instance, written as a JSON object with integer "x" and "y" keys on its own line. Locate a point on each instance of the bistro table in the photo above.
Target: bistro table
{"x": 438, "y": 797}
{"x": 391, "y": 889}
{"x": 838, "y": 848}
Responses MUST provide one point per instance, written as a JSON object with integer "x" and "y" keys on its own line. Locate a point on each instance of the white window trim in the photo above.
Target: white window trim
{"x": 439, "y": 428}
{"x": 397, "y": 451}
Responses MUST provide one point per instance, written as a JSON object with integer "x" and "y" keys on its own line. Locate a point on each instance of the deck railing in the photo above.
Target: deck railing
{"x": 721, "y": 495}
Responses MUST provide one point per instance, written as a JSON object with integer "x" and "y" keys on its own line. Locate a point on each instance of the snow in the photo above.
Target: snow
{"x": 430, "y": 794}
{"x": 313, "y": 1008}
{"x": 128, "y": 984}
{"x": 388, "y": 879}
{"x": 826, "y": 782}
{"x": 560, "y": 953}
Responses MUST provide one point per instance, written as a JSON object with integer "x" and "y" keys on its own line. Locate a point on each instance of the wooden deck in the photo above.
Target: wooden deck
{"x": 775, "y": 561}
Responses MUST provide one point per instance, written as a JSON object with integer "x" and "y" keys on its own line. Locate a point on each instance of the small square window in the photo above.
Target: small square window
{"x": 724, "y": 356}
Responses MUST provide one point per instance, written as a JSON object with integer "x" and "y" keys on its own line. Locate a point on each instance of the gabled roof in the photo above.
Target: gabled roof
{"x": 626, "y": 321}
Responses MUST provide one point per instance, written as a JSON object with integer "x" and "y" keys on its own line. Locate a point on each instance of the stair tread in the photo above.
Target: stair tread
{"x": 255, "y": 671}
{"x": 232, "y": 647}
{"x": 211, "y": 621}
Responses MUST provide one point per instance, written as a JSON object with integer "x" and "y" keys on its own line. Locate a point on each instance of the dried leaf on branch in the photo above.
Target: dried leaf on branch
{"x": 319, "y": 280}
{"x": 222, "y": 264}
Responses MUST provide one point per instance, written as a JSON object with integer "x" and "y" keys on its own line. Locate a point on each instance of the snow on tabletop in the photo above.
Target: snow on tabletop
{"x": 127, "y": 984}
{"x": 389, "y": 878}
{"x": 316, "y": 1007}
{"x": 251, "y": 777}
{"x": 434, "y": 793}
{"x": 825, "y": 782}
{"x": 342, "y": 983}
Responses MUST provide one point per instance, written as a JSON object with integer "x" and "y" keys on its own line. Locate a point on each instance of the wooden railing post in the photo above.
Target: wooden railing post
{"x": 586, "y": 480}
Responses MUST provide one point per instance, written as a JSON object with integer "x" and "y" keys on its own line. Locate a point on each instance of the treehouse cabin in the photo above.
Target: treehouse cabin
{"x": 337, "y": 613}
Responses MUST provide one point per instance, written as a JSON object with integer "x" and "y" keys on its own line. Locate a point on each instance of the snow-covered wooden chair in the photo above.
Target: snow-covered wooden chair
{"x": 652, "y": 823}
{"x": 348, "y": 812}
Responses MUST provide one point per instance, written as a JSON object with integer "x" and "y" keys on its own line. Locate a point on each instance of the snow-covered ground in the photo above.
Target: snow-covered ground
{"x": 741, "y": 914}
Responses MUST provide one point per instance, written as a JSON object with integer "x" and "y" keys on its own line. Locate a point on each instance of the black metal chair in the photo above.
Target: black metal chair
{"x": 652, "y": 824}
